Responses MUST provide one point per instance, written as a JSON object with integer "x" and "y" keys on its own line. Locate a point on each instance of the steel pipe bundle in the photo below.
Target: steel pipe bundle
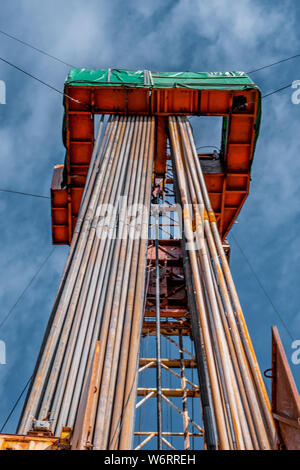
{"x": 86, "y": 373}
{"x": 94, "y": 329}
{"x": 241, "y": 407}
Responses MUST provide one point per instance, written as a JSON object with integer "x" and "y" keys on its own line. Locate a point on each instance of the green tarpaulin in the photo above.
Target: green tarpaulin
{"x": 147, "y": 79}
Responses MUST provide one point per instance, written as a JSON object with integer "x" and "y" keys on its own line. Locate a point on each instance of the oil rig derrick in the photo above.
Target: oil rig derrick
{"x": 147, "y": 346}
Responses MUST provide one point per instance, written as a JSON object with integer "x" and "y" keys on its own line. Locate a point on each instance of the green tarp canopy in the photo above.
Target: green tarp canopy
{"x": 147, "y": 79}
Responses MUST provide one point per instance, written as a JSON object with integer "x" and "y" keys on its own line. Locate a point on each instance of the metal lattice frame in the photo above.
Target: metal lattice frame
{"x": 187, "y": 391}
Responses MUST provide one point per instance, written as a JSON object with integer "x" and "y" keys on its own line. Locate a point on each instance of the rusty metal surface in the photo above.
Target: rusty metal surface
{"x": 81, "y": 438}
{"x": 161, "y": 145}
{"x": 15, "y": 442}
{"x": 285, "y": 396}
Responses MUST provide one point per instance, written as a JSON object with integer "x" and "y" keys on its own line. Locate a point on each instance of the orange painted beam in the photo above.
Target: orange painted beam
{"x": 228, "y": 190}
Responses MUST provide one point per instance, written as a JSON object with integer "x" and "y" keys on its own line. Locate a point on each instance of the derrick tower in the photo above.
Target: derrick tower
{"x": 147, "y": 346}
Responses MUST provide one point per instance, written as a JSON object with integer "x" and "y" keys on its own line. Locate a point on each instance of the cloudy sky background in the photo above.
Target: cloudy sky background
{"x": 169, "y": 35}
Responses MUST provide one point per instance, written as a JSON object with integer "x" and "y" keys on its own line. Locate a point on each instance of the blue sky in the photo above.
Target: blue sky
{"x": 195, "y": 35}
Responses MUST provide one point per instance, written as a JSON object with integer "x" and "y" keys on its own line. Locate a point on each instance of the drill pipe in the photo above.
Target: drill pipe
{"x": 92, "y": 301}
{"x": 253, "y": 364}
{"x": 235, "y": 379}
